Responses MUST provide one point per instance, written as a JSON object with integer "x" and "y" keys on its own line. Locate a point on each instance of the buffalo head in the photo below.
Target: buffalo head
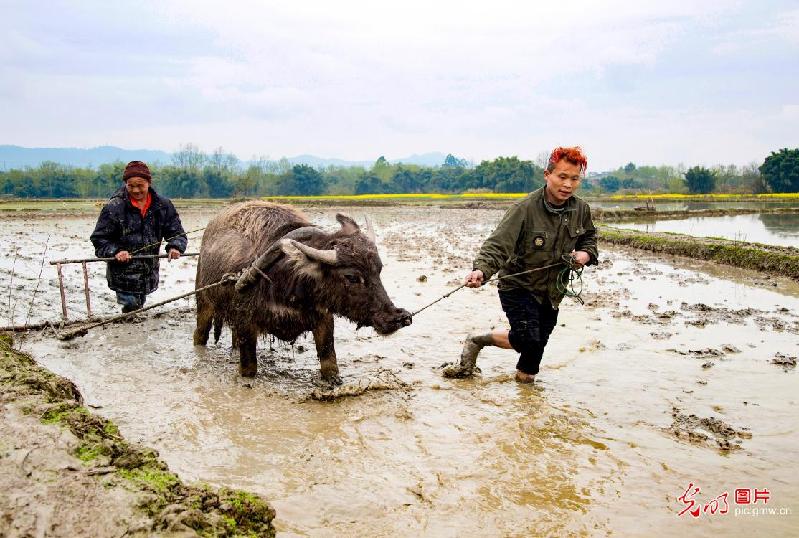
{"x": 346, "y": 267}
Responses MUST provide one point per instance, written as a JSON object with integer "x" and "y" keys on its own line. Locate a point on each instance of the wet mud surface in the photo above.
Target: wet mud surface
{"x": 623, "y": 416}
{"x": 66, "y": 472}
{"x": 708, "y": 431}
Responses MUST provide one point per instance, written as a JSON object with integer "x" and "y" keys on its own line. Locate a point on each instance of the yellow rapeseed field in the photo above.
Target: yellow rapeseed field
{"x": 516, "y": 195}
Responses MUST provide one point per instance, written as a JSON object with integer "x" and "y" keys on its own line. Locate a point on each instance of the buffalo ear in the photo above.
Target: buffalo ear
{"x": 348, "y": 226}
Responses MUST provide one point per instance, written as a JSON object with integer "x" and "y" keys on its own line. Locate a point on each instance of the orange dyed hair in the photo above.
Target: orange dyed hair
{"x": 573, "y": 155}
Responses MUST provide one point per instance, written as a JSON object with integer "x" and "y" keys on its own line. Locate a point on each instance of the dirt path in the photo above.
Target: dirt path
{"x": 65, "y": 472}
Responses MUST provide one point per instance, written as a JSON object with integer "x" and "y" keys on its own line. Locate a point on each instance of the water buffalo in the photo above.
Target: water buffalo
{"x": 294, "y": 277}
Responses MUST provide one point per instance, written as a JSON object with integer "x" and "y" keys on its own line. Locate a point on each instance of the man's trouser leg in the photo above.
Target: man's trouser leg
{"x": 130, "y": 301}
{"x": 531, "y": 323}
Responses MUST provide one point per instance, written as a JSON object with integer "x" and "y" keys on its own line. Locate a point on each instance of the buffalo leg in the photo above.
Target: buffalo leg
{"x": 325, "y": 350}
{"x": 218, "y": 323}
{"x": 205, "y": 318}
{"x": 248, "y": 358}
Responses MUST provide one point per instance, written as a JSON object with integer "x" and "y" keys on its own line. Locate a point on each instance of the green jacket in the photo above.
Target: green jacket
{"x": 530, "y": 235}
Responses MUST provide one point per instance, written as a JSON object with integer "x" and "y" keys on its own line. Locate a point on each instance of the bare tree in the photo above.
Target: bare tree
{"x": 189, "y": 157}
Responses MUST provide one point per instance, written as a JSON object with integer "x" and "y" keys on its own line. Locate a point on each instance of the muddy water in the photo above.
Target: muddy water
{"x": 771, "y": 229}
{"x": 603, "y": 445}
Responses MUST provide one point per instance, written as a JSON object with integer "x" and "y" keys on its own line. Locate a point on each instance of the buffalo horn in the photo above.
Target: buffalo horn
{"x": 370, "y": 232}
{"x": 323, "y": 256}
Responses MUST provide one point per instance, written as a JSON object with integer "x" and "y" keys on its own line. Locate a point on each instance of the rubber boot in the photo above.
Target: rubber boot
{"x": 468, "y": 362}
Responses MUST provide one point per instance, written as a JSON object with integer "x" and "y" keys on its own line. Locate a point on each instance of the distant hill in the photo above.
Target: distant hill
{"x": 425, "y": 159}
{"x": 321, "y": 162}
{"x": 19, "y": 157}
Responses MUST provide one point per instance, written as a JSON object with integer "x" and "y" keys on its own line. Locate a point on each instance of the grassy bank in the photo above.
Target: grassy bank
{"x": 107, "y": 462}
{"x": 779, "y": 261}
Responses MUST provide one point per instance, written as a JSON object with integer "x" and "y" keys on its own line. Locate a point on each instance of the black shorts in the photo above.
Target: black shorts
{"x": 531, "y": 323}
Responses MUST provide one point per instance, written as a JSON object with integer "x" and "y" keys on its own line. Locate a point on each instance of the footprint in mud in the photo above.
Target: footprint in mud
{"x": 787, "y": 362}
{"x": 707, "y": 432}
{"x": 382, "y": 380}
{"x": 661, "y": 335}
{"x": 705, "y": 353}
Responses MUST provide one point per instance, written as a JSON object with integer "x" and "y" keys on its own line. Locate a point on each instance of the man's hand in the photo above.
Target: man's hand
{"x": 474, "y": 279}
{"x": 174, "y": 254}
{"x": 581, "y": 257}
{"x": 122, "y": 256}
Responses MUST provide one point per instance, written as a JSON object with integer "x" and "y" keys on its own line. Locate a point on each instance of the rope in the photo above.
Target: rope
{"x": 80, "y": 331}
{"x": 570, "y": 279}
{"x": 492, "y": 279}
{"x": 168, "y": 239}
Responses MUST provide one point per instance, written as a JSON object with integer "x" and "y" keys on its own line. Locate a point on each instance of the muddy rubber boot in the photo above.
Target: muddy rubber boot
{"x": 468, "y": 362}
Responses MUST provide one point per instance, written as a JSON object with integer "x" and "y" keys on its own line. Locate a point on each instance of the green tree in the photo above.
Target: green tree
{"x": 383, "y": 169}
{"x": 780, "y": 170}
{"x": 108, "y": 179}
{"x": 217, "y": 181}
{"x": 451, "y": 161}
{"x": 610, "y": 183}
{"x": 369, "y": 183}
{"x": 307, "y": 180}
{"x": 507, "y": 174}
{"x": 700, "y": 180}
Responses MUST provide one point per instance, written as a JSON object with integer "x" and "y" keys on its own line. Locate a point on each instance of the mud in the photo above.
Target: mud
{"x": 67, "y": 472}
{"x": 787, "y": 362}
{"x": 584, "y": 451}
{"x": 381, "y": 380}
{"x": 709, "y": 431}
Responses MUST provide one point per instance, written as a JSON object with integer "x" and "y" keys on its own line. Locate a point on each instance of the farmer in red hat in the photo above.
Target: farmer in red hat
{"x": 133, "y": 223}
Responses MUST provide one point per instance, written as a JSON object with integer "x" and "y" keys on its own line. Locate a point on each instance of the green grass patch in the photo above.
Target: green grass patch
{"x": 158, "y": 480}
{"x": 88, "y": 452}
{"x": 60, "y": 413}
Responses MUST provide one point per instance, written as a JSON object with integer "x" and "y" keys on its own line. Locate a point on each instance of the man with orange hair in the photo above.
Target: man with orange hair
{"x": 536, "y": 232}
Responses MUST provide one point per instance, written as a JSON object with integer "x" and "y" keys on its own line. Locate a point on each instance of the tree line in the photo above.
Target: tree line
{"x": 195, "y": 174}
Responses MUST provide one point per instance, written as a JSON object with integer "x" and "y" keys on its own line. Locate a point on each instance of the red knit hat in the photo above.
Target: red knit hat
{"x": 136, "y": 169}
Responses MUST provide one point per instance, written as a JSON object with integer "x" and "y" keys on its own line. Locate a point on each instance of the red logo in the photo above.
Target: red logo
{"x": 742, "y": 496}
{"x": 719, "y": 504}
{"x": 762, "y": 495}
{"x": 690, "y": 502}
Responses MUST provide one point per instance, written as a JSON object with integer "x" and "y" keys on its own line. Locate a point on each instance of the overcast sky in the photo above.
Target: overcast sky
{"x": 694, "y": 82}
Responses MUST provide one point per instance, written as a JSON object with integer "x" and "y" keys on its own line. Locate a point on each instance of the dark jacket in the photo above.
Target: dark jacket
{"x": 121, "y": 227}
{"x": 529, "y": 236}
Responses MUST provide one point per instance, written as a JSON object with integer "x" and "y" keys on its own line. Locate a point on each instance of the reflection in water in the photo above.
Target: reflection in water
{"x": 770, "y": 229}
{"x": 781, "y": 224}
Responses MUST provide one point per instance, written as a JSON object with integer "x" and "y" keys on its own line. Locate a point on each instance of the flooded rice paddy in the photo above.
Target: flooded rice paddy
{"x": 665, "y": 378}
{"x": 781, "y": 229}
{"x": 694, "y": 205}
